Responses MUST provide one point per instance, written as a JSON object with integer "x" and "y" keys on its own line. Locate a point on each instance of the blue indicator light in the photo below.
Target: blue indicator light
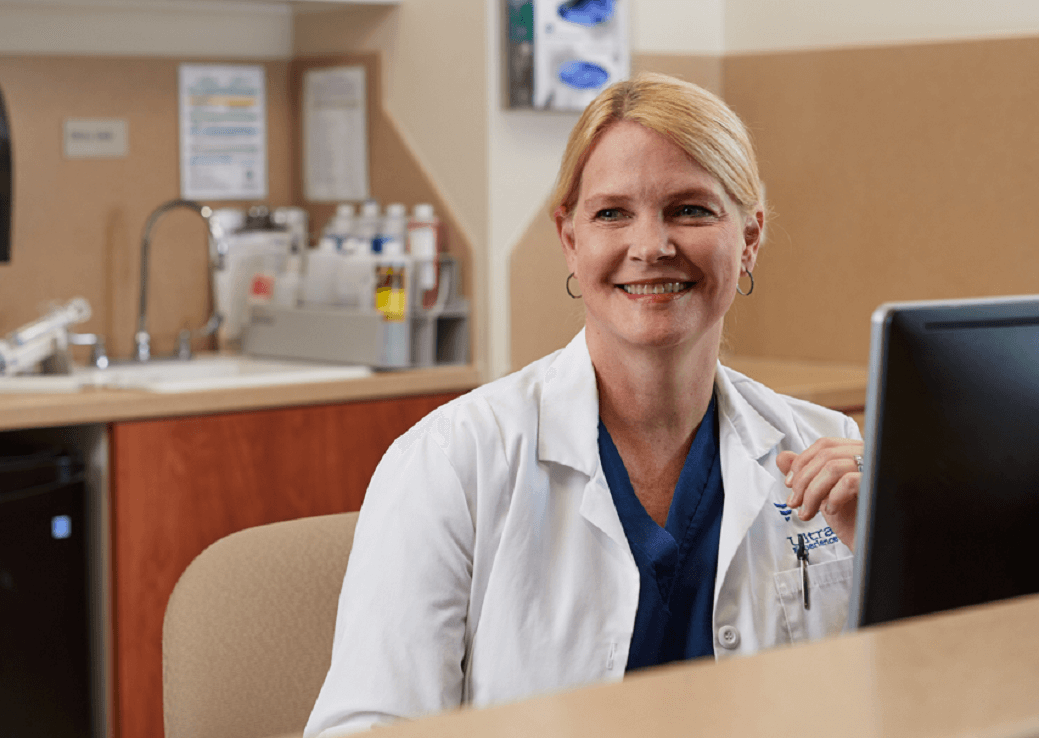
{"x": 61, "y": 526}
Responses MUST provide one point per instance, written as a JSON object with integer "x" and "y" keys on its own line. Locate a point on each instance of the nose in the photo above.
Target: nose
{"x": 651, "y": 240}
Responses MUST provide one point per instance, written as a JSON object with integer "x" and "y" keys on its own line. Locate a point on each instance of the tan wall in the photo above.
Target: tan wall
{"x": 895, "y": 173}
{"x": 77, "y": 223}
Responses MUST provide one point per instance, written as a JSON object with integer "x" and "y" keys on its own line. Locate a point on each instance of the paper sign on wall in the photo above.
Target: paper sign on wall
{"x": 335, "y": 135}
{"x": 223, "y": 132}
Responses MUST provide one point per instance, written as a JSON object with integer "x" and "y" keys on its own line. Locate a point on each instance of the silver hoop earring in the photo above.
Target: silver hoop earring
{"x": 747, "y": 293}
{"x": 572, "y": 295}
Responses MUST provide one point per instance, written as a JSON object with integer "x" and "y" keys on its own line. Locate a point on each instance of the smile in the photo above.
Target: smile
{"x": 663, "y": 288}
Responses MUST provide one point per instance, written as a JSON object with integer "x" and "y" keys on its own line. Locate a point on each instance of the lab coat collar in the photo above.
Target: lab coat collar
{"x": 568, "y": 419}
{"x": 755, "y": 433}
{"x": 568, "y": 433}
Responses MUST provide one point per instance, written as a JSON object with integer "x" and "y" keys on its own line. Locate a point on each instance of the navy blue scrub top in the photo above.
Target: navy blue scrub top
{"x": 677, "y": 563}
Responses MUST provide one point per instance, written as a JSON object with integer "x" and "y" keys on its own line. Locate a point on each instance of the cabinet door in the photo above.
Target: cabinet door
{"x": 180, "y": 484}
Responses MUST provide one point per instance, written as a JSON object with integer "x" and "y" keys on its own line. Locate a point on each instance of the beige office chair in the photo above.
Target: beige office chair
{"x": 247, "y": 638}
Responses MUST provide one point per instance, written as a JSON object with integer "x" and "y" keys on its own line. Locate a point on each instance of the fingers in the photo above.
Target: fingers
{"x": 825, "y": 476}
{"x": 785, "y": 461}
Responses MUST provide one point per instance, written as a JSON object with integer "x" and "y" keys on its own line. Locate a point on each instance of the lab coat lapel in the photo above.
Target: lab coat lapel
{"x": 745, "y": 439}
{"x": 568, "y": 432}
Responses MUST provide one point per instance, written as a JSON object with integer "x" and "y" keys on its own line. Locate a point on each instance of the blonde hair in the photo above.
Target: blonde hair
{"x": 694, "y": 119}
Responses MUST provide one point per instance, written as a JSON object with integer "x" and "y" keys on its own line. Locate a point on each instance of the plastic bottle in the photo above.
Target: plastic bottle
{"x": 366, "y": 227}
{"x": 341, "y": 226}
{"x": 393, "y": 230}
{"x": 424, "y": 247}
{"x": 288, "y": 284}
{"x": 354, "y": 287}
{"x": 322, "y": 268}
{"x": 392, "y": 265}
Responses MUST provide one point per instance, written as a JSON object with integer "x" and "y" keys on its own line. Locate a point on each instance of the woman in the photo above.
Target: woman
{"x": 625, "y": 501}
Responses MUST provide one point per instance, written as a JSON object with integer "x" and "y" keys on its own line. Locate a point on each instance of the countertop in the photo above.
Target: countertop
{"x": 32, "y": 410}
{"x": 969, "y": 672}
{"x": 839, "y": 386}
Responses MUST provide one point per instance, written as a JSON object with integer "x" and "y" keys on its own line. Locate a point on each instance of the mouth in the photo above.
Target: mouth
{"x": 658, "y": 288}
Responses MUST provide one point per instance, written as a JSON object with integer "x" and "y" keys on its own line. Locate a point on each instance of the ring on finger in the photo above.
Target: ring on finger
{"x": 858, "y": 462}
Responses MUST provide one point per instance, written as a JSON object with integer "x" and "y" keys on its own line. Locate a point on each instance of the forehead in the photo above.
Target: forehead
{"x": 630, "y": 156}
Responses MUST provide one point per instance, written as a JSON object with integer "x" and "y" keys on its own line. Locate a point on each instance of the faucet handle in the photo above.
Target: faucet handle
{"x": 143, "y": 351}
{"x": 98, "y": 356}
{"x": 184, "y": 344}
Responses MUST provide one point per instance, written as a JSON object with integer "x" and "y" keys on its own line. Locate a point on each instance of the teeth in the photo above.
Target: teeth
{"x": 654, "y": 289}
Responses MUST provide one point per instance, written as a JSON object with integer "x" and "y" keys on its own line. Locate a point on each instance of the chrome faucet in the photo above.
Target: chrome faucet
{"x": 142, "y": 338}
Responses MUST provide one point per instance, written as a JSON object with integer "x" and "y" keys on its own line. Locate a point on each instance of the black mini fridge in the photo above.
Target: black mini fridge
{"x": 45, "y": 632}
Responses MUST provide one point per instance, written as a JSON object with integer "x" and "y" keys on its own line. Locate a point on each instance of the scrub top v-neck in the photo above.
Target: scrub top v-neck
{"x": 677, "y": 563}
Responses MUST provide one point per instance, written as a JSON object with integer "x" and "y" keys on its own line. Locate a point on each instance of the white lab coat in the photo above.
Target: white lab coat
{"x": 490, "y": 564}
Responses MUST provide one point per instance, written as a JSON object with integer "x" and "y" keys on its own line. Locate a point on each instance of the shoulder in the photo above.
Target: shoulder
{"x": 505, "y": 407}
{"x": 794, "y": 417}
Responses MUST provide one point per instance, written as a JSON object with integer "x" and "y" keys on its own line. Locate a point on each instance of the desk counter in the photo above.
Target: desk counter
{"x": 972, "y": 672}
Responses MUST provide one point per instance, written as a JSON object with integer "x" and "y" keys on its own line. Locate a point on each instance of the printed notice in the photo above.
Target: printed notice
{"x": 223, "y": 132}
{"x": 335, "y": 135}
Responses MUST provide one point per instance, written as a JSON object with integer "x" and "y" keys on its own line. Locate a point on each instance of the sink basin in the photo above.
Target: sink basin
{"x": 207, "y": 372}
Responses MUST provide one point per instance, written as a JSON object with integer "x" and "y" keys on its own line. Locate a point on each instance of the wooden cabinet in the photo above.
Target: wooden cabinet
{"x": 180, "y": 484}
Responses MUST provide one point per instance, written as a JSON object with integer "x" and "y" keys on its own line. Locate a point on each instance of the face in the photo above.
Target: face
{"x": 655, "y": 242}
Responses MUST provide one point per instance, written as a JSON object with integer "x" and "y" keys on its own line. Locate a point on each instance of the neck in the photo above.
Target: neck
{"x": 654, "y": 393}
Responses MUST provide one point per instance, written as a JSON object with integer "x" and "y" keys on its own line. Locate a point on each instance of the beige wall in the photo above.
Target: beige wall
{"x": 77, "y": 223}
{"x": 895, "y": 173}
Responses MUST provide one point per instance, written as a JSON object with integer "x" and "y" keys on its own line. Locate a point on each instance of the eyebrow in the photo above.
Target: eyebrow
{"x": 597, "y": 201}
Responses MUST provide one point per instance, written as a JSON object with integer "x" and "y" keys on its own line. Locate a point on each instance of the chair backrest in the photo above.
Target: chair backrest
{"x": 247, "y": 639}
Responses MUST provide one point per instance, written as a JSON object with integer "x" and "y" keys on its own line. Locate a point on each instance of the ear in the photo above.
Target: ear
{"x": 565, "y": 229}
{"x": 753, "y": 234}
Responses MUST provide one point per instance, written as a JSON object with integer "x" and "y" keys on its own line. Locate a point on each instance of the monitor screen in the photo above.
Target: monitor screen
{"x": 949, "y": 503}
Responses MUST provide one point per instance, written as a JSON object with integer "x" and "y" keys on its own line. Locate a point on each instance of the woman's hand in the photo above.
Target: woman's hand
{"x": 825, "y": 477}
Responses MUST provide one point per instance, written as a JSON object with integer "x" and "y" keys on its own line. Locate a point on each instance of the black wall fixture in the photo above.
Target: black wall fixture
{"x": 6, "y": 184}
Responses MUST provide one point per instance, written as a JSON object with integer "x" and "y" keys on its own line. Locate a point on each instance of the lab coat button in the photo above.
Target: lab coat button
{"x": 728, "y": 637}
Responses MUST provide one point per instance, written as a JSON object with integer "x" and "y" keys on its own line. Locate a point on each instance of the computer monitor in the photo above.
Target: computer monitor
{"x": 948, "y": 512}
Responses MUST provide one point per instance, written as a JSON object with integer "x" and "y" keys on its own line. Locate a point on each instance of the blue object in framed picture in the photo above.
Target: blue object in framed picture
{"x": 572, "y": 50}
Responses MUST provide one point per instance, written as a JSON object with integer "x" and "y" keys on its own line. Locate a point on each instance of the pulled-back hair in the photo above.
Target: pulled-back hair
{"x": 694, "y": 119}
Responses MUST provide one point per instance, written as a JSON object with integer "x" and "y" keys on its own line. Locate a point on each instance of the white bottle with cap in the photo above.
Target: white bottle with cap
{"x": 341, "y": 226}
{"x": 322, "y": 267}
{"x": 366, "y": 226}
{"x": 424, "y": 247}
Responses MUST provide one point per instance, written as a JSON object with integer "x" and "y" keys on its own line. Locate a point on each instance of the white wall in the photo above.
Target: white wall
{"x": 525, "y": 148}
{"x": 776, "y": 25}
{"x": 146, "y": 28}
{"x": 678, "y": 26}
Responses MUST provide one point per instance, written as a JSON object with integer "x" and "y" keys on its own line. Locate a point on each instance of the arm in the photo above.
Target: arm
{"x": 400, "y": 631}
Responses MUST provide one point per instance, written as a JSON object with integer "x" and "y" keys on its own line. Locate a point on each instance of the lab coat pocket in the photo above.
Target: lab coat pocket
{"x": 828, "y": 590}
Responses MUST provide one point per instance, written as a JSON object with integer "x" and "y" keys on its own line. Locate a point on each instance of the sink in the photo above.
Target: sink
{"x": 206, "y": 372}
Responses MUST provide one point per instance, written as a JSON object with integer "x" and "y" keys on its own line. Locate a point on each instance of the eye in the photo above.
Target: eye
{"x": 608, "y": 214}
{"x": 693, "y": 211}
